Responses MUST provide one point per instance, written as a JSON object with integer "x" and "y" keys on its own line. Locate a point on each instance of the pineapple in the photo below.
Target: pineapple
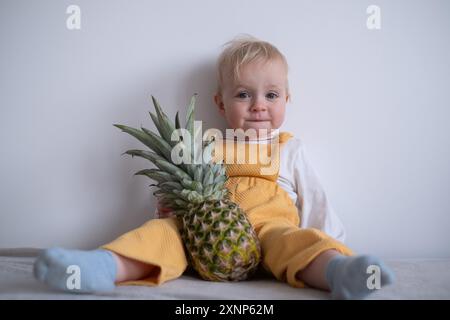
{"x": 220, "y": 242}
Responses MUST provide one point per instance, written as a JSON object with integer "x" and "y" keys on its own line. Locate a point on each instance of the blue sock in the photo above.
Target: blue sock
{"x": 75, "y": 270}
{"x": 348, "y": 276}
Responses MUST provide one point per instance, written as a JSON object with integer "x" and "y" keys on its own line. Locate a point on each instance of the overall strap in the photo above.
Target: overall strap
{"x": 243, "y": 159}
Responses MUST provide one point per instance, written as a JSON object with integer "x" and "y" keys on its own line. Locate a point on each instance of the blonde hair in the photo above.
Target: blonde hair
{"x": 241, "y": 51}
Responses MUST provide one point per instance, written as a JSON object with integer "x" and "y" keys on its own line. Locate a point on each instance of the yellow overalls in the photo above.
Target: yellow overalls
{"x": 286, "y": 248}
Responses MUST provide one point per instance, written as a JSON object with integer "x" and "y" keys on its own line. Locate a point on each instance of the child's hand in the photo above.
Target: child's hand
{"x": 163, "y": 212}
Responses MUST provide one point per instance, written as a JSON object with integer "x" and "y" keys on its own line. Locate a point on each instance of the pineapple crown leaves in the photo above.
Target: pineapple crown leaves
{"x": 157, "y": 175}
{"x": 182, "y": 184}
{"x": 150, "y": 139}
{"x": 177, "y": 121}
{"x": 190, "y": 115}
{"x": 190, "y": 118}
{"x": 163, "y": 124}
{"x": 162, "y": 145}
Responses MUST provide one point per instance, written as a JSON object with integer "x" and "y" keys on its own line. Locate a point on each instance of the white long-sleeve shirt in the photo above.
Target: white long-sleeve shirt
{"x": 299, "y": 179}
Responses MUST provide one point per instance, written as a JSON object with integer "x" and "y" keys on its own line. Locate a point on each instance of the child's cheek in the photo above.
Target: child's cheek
{"x": 278, "y": 118}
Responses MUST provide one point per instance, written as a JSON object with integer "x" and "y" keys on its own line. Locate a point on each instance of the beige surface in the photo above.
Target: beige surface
{"x": 416, "y": 279}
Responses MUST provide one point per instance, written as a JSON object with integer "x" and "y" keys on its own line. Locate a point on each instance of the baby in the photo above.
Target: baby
{"x": 301, "y": 237}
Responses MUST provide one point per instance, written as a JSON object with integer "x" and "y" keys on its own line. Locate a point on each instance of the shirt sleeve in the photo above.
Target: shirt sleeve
{"x": 313, "y": 204}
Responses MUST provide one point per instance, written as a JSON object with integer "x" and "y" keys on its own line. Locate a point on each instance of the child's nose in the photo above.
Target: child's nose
{"x": 258, "y": 105}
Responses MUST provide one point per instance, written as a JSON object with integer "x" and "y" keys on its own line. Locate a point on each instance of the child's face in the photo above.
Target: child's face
{"x": 258, "y": 99}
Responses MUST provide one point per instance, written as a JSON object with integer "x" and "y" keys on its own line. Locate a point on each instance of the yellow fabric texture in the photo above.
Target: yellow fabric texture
{"x": 286, "y": 248}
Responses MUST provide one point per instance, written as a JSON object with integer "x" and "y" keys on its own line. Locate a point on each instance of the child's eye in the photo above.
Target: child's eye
{"x": 245, "y": 95}
{"x": 272, "y": 95}
{"x": 242, "y": 95}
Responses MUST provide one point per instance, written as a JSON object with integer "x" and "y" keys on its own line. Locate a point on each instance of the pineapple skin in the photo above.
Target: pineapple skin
{"x": 221, "y": 244}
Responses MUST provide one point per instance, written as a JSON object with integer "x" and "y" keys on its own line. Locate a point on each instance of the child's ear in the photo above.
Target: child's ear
{"x": 219, "y": 102}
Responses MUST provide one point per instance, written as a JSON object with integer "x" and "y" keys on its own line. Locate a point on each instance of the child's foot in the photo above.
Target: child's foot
{"x": 348, "y": 276}
{"x": 75, "y": 270}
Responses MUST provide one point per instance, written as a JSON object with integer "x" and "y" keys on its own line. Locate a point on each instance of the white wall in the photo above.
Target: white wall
{"x": 372, "y": 107}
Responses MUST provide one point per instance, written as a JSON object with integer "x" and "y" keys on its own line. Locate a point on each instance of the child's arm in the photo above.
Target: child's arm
{"x": 312, "y": 202}
{"x": 162, "y": 212}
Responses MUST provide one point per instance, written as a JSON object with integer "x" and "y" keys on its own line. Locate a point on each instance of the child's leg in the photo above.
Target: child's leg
{"x": 99, "y": 270}
{"x": 76, "y": 270}
{"x": 309, "y": 256}
{"x": 158, "y": 245}
{"x": 130, "y": 269}
{"x": 346, "y": 277}
{"x": 314, "y": 274}
{"x": 151, "y": 254}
